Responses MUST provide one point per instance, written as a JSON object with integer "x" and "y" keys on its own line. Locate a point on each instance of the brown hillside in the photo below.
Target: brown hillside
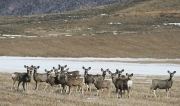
{"x": 135, "y": 28}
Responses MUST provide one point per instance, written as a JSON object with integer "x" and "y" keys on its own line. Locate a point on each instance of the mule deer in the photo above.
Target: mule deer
{"x": 162, "y": 84}
{"x": 15, "y": 75}
{"x": 122, "y": 84}
{"x": 88, "y": 78}
{"x": 23, "y": 77}
{"x": 102, "y": 84}
{"x": 120, "y": 73}
{"x": 74, "y": 82}
{"x": 52, "y": 80}
{"x": 103, "y": 73}
{"x": 39, "y": 77}
{"x": 70, "y": 73}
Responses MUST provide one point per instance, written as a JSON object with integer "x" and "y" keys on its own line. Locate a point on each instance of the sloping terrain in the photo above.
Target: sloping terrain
{"x": 135, "y": 28}
{"x": 32, "y": 7}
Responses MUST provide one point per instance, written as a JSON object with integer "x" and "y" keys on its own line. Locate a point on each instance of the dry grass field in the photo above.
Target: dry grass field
{"x": 139, "y": 95}
{"x": 134, "y": 29}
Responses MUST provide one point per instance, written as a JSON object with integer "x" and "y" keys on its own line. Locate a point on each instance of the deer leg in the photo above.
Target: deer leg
{"x": 108, "y": 92}
{"x": 13, "y": 85}
{"x": 128, "y": 93}
{"x": 154, "y": 92}
{"x": 90, "y": 88}
{"x": 70, "y": 90}
{"x": 82, "y": 88}
{"x": 87, "y": 87}
{"x": 46, "y": 86}
{"x": 97, "y": 92}
{"x": 117, "y": 93}
{"x": 18, "y": 85}
{"x": 23, "y": 85}
{"x": 167, "y": 93}
{"x": 121, "y": 93}
{"x": 36, "y": 88}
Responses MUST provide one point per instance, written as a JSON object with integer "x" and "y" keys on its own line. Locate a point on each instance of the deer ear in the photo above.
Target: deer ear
{"x": 83, "y": 67}
{"x": 174, "y": 72}
{"x": 65, "y": 66}
{"x": 122, "y": 70}
{"x": 132, "y": 74}
{"x": 169, "y": 72}
{"x": 38, "y": 67}
{"x": 89, "y": 68}
{"x": 102, "y": 69}
{"x": 127, "y": 74}
{"x": 117, "y": 70}
{"x": 67, "y": 69}
{"x": 25, "y": 66}
{"x": 59, "y": 66}
{"x": 45, "y": 70}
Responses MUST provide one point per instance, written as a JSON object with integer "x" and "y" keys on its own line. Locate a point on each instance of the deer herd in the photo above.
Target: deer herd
{"x": 69, "y": 80}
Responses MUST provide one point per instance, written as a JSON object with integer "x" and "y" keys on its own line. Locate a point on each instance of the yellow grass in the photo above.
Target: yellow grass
{"x": 139, "y": 95}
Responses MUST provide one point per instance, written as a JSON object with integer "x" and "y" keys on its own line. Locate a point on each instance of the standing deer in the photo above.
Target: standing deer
{"x": 162, "y": 84}
{"x": 103, "y": 73}
{"x": 89, "y": 78}
{"x": 52, "y": 80}
{"x": 17, "y": 75}
{"x": 121, "y": 84}
{"x": 39, "y": 77}
{"x": 25, "y": 78}
{"x": 120, "y": 73}
{"x": 102, "y": 84}
{"x": 70, "y": 73}
{"x": 74, "y": 82}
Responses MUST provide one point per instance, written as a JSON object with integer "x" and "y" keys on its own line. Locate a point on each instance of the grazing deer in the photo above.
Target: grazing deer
{"x": 102, "y": 84}
{"x": 74, "y": 82}
{"x": 15, "y": 75}
{"x": 88, "y": 78}
{"x": 162, "y": 84}
{"x": 39, "y": 77}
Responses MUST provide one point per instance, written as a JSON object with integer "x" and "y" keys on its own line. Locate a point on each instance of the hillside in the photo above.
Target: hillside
{"x": 135, "y": 28}
{"x": 32, "y": 7}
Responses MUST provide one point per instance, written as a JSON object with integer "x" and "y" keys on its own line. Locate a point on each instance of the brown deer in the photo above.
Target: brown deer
{"x": 70, "y": 73}
{"x": 25, "y": 78}
{"x": 89, "y": 78}
{"x": 102, "y": 84}
{"x": 39, "y": 77}
{"x": 162, "y": 84}
{"x": 74, "y": 82}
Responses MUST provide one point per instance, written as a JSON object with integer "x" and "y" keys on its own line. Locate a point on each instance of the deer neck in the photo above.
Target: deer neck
{"x": 114, "y": 80}
{"x": 170, "y": 78}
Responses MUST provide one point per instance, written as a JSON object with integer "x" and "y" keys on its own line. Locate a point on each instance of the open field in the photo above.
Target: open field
{"x": 139, "y": 95}
{"x": 134, "y": 29}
